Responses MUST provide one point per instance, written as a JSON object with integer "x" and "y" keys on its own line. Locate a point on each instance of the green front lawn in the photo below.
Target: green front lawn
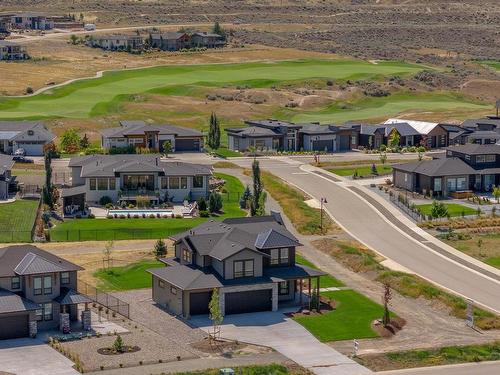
{"x": 362, "y": 171}
{"x": 225, "y": 153}
{"x": 327, "y": 281}
{"x": 351, "y": 320}
{"x": 454, "y": 209}
{"x": 17, "y": 220}
{"x": 132, "y": 276}
{"x": 232, "y": 191}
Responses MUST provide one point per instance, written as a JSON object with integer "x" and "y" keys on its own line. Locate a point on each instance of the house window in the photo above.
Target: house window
{"x": 64, "y": 278}
{"x": 480, "y": 158}
{"x": 467, "y": 157}
{"x": 15, "y": 282}
{"x": 184, "y": 182}
{"x": 173, "y": 290}
{"x": 173, "y": 183}
{"x": 491, "y": 158}
{"x": 31, "y": 132}
{"x": 164, "y": 183}
{"x": 47, "y": 311}
{"x": 161, "y": 284}
{"x": 47, "y": 285}
{"x": 437, "y": 184}
{"x": 198, "y": 181}
{"x": 260, "y": 144}
{"x": 112, "y": 184}
{"x": 279, "y": 256}
{"x": 187, "y": 256}
{"x": 284, "y": 288}
{"x": 102, "y": 184}
{"x": 39, "y": 315}
{"x": 37, "y": 286}
{"x": 243, "y": 268}
{"x": 93, "y": 184}
{"x": 284, "y": 256}
{"x": 461, "y": 183}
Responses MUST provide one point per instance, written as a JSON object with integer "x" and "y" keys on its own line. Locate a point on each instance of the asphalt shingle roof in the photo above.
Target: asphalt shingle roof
{"x": 6, "y": 163}
{"x": 11, "y": 302}
{"x": 71, "y": 297}
{"x": 137, "y": 127}
{"x": 186, "y": 278}
{"x": 437, "y": 167}
{"x": 476, "y": 149}
{"x": 17, "y": 130}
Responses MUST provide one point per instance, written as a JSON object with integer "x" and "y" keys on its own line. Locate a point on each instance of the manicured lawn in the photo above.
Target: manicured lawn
{"x": 233, "y": 190}
{"x": 325, "y": 281}
{"x": 95, "y": 97}
{"x": 225, "y": 153}
{"x": 384, "y": 107}
{"x": 351, "y": 320}
{"x": 362, "y": 171}
{"x": 17, "y": 220}
{"x": 454, "y": 209}
{"x": 132, "y": 276}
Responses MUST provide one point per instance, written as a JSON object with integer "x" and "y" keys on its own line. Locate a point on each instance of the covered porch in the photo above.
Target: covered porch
{"x": 73, "y": 200}
{"x": 69, "y": 300}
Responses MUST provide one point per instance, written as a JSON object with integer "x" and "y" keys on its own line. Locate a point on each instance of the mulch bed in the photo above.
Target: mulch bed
{"x": 111, "y": 351}
{"x": 391, "y": 329}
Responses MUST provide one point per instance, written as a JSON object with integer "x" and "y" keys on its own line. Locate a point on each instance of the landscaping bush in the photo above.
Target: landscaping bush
{"x": 204, "y": 213}
{"x": 202, "y": 204}
{"x": 105, "y": 200}
{"x": 109, "y": 205}
{"x": 214, "y": 202}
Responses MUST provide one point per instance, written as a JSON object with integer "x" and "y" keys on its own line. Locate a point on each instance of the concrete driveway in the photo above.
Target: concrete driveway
{"x": 33, "y": 357}
{"x": 275, "y": 330}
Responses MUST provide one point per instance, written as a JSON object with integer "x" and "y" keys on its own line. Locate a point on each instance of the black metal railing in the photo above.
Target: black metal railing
{"x": 105, "y": 299}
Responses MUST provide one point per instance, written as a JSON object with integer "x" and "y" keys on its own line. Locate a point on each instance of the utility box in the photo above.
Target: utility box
{"x": 226, "y": 371}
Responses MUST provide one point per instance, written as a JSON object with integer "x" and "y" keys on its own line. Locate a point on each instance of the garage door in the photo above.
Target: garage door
{"x": 323, "y": 145}
{"x": 187, "y": 145}
{"x": 14, "y": 327}
{"x": 345, "y": 144}
{"x": 31, "y": 149}
{"x": 198, "y": 303}
{"x": 251, "y": 301}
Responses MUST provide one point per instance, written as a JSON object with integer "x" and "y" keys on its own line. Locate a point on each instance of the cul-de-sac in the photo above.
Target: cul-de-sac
{"x": 243, "y": 187}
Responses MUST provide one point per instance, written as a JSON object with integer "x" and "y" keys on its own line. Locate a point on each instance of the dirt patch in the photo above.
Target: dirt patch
{"x": 395, "y": 325}
{"x": 228, "y": 348}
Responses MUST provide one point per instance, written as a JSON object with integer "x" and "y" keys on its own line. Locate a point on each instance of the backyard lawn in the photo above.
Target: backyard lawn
{"x": 351, "y": 320}
{"x": 325, "y": 281}
{"x": 145, "y": 228}
{"x": 362, "y": 170}
{"x": 454, "y": 209}
{"x": 132, "y": 276}
{"x": 17, "y": 220}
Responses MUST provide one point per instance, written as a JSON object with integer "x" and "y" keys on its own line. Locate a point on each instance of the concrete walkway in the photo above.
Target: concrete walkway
{"x": 283, "y": 334}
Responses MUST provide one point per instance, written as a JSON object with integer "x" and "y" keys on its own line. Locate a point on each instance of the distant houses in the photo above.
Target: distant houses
{"x": 31, "y": 21}
{"x": 31, "y": 136}
{"x": 12, "y": 51}
{"x": 130, "y": 43}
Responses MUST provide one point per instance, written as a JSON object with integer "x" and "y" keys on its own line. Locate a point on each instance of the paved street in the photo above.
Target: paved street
{"x": 289, "y": 338}
{"x": 486, "y": 368}
{"x": 366, "y": 224}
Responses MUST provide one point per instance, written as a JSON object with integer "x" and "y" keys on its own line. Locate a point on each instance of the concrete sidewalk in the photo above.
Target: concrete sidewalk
{"x": 288, "y": 337}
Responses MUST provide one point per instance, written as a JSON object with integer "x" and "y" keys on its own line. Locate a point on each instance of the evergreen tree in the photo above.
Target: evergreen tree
{"x": 257, "y": 188}
{"x": 217, "y": 29}
{"x": 213, "y": 138}
{"x": 160, "y": 249}
{"x": 202, "y": 204}
{"x": 214, "y": 202}
{"x": 48, "y": 189}
{"x": 84, "y": 142}
{"x": 245, "y": 198}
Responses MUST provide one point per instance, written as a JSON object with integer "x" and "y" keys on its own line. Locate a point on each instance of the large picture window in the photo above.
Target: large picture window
{"x": 37, "y": 286}
{"x": 184, "y": 183}
{"x": 243, "y": 268}
{"x": 187, "y": 256}
{"x": 173, "y": 183}
{"x": 279, "y": 256}
{"x": 93, "y": 184}
{"x": 198, "y": 181}
{"x": 102, "y": 184}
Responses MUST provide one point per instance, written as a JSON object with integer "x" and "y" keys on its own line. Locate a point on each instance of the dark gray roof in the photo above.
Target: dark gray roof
{"x": 8, "y": 43}
{"x": 200, "y": 33}
{"x": 437, "y": 167}
{"x": 403, "y": 128}
{"x": 253, "y": 131}
{"x": 75, "y": 190}
{"x": 484, "y": 134}
{"x": 270, "y": 123}
{"x": 137, "y": 127}
{"x": 11, "y": 302}
{"x": 318, "y": 129}
{"x": 221, "y": 240}
{"x": 6, "y": 163}
{"x": 71, "y": 297}
{"x": 28, "y": 259}
{"x": 292, "y": 273}
{"x": 476, "y": 149}
{"x": 108, "y": 165}
{"x": 474, "y": 123}
{"x": 186, "y": 278}
{"x": 167, "y": 35}
{"x": 16, "y": 130}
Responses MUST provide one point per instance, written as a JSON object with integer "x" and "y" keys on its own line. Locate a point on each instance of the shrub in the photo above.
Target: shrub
{"x": 214, "y": 202}
{"x": 105, "y": 200}
{"x": 204, "y": 213}
{"x": 91, "y": 216}
{"x": 29, "y": 90}
{"x": 109, "y": 205}
{"x": 383, "y": 148}
{"x": 202, "y": 204}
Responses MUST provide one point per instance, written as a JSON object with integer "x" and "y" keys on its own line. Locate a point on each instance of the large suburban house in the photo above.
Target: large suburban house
{"x": 6, "y": 179}
{"x": 31, "y": 136}
{"x": 33, "y": 21}
{"x": 274, "y": 135}
{"x": 117, "y": 42}
{"x": 175, "y": 41}
{"x": 140, "y": 134}
{"x": 38, "y": 291}
{"x": 251, "y": 261}
{"x": 12, "y": 51}
{"x": 466, "y": 168}
{"x": 127, "y": 178}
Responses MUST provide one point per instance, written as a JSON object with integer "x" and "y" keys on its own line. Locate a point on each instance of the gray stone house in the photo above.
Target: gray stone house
{"x": 141, "y": 134}
{"x": 12, "y": 51}
{"x": 129, "y": 177}
{"x": 6, "y": 179}
{"x": 38, "y": 291}
{"x": 31, "y": 136}
{"x": 251, "y": 261}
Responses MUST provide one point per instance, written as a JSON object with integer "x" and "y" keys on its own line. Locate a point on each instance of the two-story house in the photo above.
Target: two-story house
{"x": 7, "y": 181}
{"x": 38, "y": 291}
{"x": 139, "y": 134}
{"x": 12, "y": 51}
{"x": 469, "y": 167}
{"x": 251, "y": 261}
{"x": 128, "y": 177}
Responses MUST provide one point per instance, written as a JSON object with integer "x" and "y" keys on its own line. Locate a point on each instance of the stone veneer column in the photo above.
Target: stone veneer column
{"x": 64, "y": 322}
{"x": 33, "y": 328}
{"x": 86, "y": 320}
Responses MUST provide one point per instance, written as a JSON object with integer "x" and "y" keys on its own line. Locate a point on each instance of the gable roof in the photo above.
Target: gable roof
{"x": 272, "y": 238}
{"x": 422, "y": 127}
{"x": 186, "y": 278}
{"x": 403, "y": 128}
{"x": 28, "y": 259}
{"x": 16, "y": 130}
{"x": 476, "y": 149}
{"x": 437, "y": 167}
{"x": 6, "y": 163}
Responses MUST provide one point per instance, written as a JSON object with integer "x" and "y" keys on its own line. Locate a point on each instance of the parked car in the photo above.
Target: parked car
{"x": 22, "y": 159}
{"x": 20, "y": 152}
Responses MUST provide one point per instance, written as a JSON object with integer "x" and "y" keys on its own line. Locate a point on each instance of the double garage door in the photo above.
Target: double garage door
{"x": 187, "y": 144}
{"x": 323, "y": 145}
{"x": 13, "y": 327}
{"x": 236, "y": 303}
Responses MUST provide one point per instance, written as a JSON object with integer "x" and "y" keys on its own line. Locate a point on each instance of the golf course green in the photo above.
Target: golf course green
{"x": 88, "y": 97}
